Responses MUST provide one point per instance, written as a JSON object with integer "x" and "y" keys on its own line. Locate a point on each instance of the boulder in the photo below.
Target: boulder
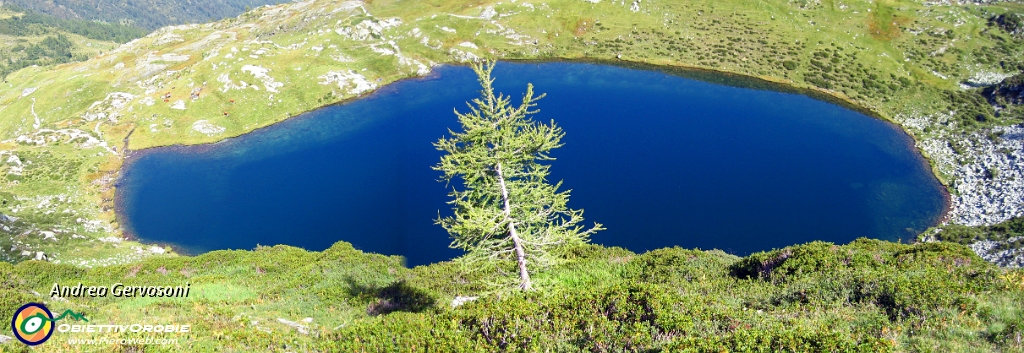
{"x": 458, "y": 301}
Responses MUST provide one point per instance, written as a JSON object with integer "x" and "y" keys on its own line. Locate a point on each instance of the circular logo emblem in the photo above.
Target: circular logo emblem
{"x": 32, "y": 324}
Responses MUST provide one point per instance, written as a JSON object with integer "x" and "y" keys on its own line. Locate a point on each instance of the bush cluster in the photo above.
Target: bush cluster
{"x": 801, "y": 298}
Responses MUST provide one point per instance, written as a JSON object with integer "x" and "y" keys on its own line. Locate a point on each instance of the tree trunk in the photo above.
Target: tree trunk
{"x": 524, "y": 274}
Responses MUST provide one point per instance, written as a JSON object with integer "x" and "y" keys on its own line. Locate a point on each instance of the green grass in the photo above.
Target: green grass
{"x": 31, "y": 39}
{"x": 870, "y": 296}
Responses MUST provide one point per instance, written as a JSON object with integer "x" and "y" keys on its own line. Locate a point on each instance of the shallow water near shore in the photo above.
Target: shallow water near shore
{"x": 660, "y": 160}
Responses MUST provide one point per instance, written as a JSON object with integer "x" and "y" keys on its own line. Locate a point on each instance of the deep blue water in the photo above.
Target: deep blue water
{"x": 660, "y": 160}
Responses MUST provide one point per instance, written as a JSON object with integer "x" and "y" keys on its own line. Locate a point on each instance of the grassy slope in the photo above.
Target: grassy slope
{"x": 868, "y": 296}
{"x": 83, "y": 47}
{"x": 21, "y": 34}
{"x": 150, "y": 14}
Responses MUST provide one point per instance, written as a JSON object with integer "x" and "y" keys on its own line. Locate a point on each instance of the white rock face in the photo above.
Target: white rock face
{"x": 468, "y": 45}
{"x": 488, "y": 13}
{"x": 174, "y": 57}
{"x": 118, "y": 100}
{"x": 179, "y": 105}
{"x": 230, "y": 85}
{"x": 28, "y": 91}
{"x": 982, "y": 79}
{"x": 383, "y": 51}
{"x": 368, "y": 29}
{"x": 463, "y": 56}
{"x": 261, "y": 74}
{"x": 82, "y": 139}
{"x": 207, "y": 128}
{"x": 351, "y": 81}
{"x": 635, "y": 7}
{"x": 460, "y": 300}
{"x": 168, "y": 37}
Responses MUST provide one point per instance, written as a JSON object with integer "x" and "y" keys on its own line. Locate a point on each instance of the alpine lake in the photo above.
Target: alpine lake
{"x": 661, "y": 159}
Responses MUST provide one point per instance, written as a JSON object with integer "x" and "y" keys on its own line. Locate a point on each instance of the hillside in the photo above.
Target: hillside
{"x": 148, "y": 14}
{"x": 868, "y": 296}
{"x": 28, "y": 39}
{"x": 64, "y": 132}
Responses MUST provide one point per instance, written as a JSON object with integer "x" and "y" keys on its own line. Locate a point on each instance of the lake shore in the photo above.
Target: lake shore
{"x": 788, "y": 109}
{"x": 703, "y": 74}
{"x": 905, "y": 90}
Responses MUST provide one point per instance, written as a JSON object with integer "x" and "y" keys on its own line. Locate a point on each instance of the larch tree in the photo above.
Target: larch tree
{"x": 506, "y": 208}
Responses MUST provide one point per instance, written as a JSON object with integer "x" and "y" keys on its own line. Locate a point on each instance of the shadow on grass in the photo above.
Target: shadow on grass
{"x": 397, "y": 296}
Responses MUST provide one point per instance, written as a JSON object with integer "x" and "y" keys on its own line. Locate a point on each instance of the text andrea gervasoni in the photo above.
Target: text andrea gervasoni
{"x": 119, "y": 290}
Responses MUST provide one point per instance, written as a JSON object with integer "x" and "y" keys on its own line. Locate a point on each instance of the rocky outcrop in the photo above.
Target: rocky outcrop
{"x": 1007, "y": 253}
{"x": 460, "y": 300}
{"x": 986, "y": 169}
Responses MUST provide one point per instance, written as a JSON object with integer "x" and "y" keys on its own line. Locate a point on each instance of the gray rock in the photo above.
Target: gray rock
{"x": 303, "y": 329}
{"x": 458, "y": 301}
{"x": 990, "y": 177}
{"x": 1011, "y": 258}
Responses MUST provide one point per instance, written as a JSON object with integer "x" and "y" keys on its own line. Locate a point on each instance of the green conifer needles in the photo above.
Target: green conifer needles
{"x": 506, "y": 209}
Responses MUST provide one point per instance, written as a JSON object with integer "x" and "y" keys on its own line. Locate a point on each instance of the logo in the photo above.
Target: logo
{"x": 33, "y": 323}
